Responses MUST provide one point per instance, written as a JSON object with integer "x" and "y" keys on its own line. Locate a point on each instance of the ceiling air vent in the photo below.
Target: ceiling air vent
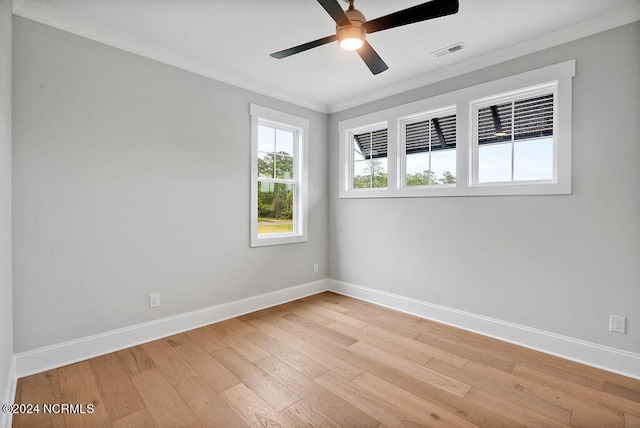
{"x": 451, "y": 49}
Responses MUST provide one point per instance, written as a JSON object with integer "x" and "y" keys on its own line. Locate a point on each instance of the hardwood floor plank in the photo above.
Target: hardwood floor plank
{"x": 241, "y": 345}
{"x": 302, "y": 414}
{"x": 140, "y": 419}
{"x": 622, "y": 391}
{"x": 373, "y": 405}
{"x": 118, "y": 392}
{"x": 328, "y": 303}
{"x": 517, "y": 396}
{"x": 423, "y": 410}
{"x": 298, "y": 361}
{"x": 326, "y": 333}
{"x": 320, "y": 356}
{"x": 450, "y": 402}
{"x": 514, "y": 412}
{"x": 417, "y": 346}
{"x": 422, "y": 373}
{"x": 78, "y": 386}
{"x": 255, "y": 411}
{"x": 164, "y": 403}
{"x": 41, "y": 388}
{"x": 268, "y": 388}
{"x": 581, "y": 413}
{"x": 136, "y": 359}
{"x": 468, "y": 353}
{"x": 336, "y": 316}
{"x": 281, "y": 323}
{"x": 56, "y": 421}
{"x": 333, "y": 406}
{"x": 237, "y": 326}
{"x": 397, "y": 324}
{"x": 208, "y": 368}
{"x": 536, "y": 361}
{"x": 207, "y": 405}
{"x": 168, "y": 361}
{"x": 177, "y": 339}
{"x": 410, "y": 353}
{"x": 351, "y": 304}
{"x": 631, "y": 421}
{"x": 207, "y": 338}
{"x": 580, "y": 392}
{"x": 302, "y": 308}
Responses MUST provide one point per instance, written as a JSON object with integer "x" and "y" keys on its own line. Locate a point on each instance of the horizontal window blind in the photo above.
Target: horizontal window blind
{"x": 373, "y": 144}
{"x": 441, "y": 129}
{"x": 521, "y": 119}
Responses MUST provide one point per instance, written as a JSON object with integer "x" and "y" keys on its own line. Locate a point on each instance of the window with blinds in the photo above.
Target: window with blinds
{"x": 430, "y": 149}
{"x": 370, "y": 155}
{"x": 510, "y": 136}
{"x": 520, "y": 119}
{"x": 515, "y": 137}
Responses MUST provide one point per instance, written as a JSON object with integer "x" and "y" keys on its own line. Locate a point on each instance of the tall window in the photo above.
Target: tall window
{"x": 514, "y": 138}
{"x": 278, "y": 177}
{"x": 429, "y": 142}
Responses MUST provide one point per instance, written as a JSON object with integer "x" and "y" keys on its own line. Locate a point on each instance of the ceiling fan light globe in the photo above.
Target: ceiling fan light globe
{"x": 351, "y": 44}
{"x": 351, "y": 37}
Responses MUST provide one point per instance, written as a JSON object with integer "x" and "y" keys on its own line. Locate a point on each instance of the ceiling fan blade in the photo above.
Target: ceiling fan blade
{"x": 304, "y": 47}
{"x": 372, "y": 59}
{"x": 421, "y": 12}
{"x": 337, "y": 13}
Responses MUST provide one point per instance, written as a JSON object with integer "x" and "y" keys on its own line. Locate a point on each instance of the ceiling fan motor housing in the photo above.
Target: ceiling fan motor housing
{"x": 355, "y": 30}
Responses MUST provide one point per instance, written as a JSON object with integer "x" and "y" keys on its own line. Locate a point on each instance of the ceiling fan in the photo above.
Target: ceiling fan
{"x": 352, "y": 28}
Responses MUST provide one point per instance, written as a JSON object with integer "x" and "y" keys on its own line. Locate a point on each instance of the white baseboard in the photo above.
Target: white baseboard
{"x": 50, "y": 357}
{"x": 8, "y": 395}
{"x": 591, "y": 354}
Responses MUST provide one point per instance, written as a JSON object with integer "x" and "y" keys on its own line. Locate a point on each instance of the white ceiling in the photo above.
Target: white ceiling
{"x": 230, "y": 40}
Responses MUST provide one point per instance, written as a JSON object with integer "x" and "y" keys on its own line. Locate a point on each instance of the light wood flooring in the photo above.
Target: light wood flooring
{"x": 327, "y": 361}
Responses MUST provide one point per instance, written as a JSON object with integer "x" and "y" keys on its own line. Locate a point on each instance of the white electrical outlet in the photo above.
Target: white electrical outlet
{"x": 154, "y": 300}
{"x": 617, "y": 324}
{"x": 315, "y": 268}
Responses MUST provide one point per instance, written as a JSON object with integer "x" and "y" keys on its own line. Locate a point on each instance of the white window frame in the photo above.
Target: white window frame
{"x": 300, "y": 126}
{"x": 476, "y": 105}
{"x": 351, "y": 163}
{"x": 463, "y": 99}
{"x": 402, "y": 158}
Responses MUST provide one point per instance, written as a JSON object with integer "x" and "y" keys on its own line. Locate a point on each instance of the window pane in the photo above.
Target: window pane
{"x": 361, "y": 176}
{"x": 265, "y": 164}
{"x": 284, "y": 142}
{"x": 357, "y": 153}
{"x": 378, "y": 168}
{"x": 443, "y": 166}
{"x": 533, "y": 160}
{"x": 430, "y": 151}
{"x": 275, "y": 207}
{"x": 418, "y": 173}
{"x": 494, "y": 163}
{"x": 266, "y": 139}
{"x": 284, "y": 167}
{"x": 370, "y": 159}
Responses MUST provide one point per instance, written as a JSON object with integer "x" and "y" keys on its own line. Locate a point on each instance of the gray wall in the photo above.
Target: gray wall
{"x": 6, "y": 301}
{"x": 133, "y": 177}
{"x": 558, "y": 263}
